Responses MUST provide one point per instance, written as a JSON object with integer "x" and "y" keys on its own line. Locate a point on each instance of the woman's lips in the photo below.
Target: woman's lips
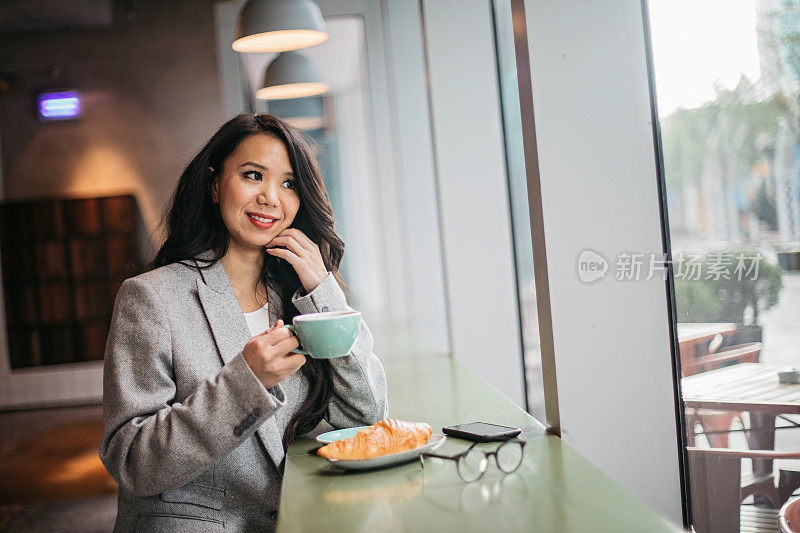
{"x": 261, "y": 224}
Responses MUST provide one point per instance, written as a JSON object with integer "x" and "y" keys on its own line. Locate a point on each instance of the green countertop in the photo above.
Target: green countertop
{"x": 555, "y": 489}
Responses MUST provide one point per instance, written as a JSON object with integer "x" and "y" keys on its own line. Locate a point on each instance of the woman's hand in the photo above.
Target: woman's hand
{"x": 269, "y": 355}
{"x": 303, "y": 254}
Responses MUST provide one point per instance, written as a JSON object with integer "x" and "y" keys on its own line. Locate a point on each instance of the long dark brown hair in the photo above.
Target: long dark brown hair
{"x": 194, "y": 225}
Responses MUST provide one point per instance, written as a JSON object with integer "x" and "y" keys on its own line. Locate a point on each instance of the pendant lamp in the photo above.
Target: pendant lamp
{"x": 279, "y": 25}
{"x": 291, "y": 75}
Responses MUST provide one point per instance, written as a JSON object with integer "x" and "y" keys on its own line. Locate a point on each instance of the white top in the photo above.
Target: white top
{"x": 258, "y": 320}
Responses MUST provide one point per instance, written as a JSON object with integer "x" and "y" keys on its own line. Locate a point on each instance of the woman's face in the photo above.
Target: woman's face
{"x": 256, "y": 191}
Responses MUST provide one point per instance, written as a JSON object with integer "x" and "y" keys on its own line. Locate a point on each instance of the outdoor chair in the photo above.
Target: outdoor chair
{"x": 716, "y": 424}
{"x": 742, "y": 353}
{"x": 717, "y": 494}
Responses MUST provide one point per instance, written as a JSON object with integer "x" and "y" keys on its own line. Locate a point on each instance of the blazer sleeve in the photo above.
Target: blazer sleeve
{"x": 359, "y": 381}
{"x": 150, "y": 442}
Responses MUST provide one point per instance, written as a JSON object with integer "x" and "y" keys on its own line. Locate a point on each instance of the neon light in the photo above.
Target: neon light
{"x": 60, "y": 105}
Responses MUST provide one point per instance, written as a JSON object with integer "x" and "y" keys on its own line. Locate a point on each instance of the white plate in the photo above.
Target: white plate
{"x": 339, "y": 434}
{"x": 391, "y": 459}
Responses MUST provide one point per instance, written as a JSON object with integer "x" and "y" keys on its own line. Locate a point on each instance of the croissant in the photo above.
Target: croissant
{"x": 385, "y": 437}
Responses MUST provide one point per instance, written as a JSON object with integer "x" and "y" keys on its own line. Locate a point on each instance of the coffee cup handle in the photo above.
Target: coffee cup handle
{"x": 291, "y": 328}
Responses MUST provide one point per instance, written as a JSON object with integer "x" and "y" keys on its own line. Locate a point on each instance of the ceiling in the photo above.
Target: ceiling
{"x": 29, "y": 15}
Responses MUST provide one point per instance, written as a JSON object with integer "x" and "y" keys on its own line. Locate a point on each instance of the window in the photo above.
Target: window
{"x": 520, "y": 221}
{"x": 729, "y": 108}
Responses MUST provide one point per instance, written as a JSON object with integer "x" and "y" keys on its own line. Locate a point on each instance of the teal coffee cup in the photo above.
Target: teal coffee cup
{"x": 326, "y": 335}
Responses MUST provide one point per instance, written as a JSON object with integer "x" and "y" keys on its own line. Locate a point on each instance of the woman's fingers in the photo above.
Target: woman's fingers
{"x": 269, "y": 355}
{"x": 290, "y": 243}
{"x": 278, "y": 334}
{"x": 301, "y": 238}
{"x": 305, "y": 240}
{"x": 295, "y": 361}
{"x": 290, "y": 256}
{"x": 302, "y": 254}
{"x": 286, "y": 345}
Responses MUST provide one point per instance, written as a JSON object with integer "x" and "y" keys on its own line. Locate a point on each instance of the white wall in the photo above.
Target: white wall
{"x": 140, "y": 124}
{"x": 599, "y": 190}
{"x": 230, "y": 80}
{"x": 473, "y": 191}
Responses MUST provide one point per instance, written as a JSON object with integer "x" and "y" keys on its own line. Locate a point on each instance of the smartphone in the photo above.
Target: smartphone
{"x": 481, "y": 431}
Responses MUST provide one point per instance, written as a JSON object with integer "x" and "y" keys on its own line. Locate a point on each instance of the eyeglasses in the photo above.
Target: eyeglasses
{"x": 473, "y": 462}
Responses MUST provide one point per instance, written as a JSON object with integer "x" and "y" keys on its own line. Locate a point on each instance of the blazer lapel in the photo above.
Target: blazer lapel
{"x": 270, "y": 431}
{"x": 274, "y": 306}
{"x": 226, "y": 319}
{"x": 231, "y": 333}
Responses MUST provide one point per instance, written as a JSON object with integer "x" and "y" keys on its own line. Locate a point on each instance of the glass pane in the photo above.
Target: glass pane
{"x": 339, "y": 124}
{"x": 727, "y": 83}
{"x": 343, "y": 125}
{"x": 518, "y": 192}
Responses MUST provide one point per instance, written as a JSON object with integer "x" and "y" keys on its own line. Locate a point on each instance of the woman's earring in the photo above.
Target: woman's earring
{"x": 213, "y": 193}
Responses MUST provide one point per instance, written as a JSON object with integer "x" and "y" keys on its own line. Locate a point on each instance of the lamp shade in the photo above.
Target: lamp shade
{"x": 291, "y": 75}
{"x": 279, "y": 26}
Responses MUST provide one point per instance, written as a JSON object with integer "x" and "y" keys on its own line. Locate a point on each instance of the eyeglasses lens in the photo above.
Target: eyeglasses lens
{"x": 509, "y": 456}
{"x": 472, "y": 465}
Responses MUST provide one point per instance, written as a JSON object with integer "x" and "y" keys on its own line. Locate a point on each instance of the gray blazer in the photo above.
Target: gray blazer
{"x": 190, "y": 434}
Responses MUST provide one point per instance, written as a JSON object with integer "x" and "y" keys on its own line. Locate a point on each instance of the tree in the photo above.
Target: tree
{"x": 722, "y": 139}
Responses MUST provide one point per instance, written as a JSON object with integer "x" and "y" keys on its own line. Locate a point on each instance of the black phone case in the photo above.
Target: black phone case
{"x": 475, "y": 437}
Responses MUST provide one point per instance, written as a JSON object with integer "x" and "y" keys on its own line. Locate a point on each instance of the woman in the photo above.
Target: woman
{"x": 202, "y": 392}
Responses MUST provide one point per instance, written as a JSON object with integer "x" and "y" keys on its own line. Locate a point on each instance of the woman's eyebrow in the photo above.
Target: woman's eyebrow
{"x": 250, "y": 163}
{"x": 262, "y": 167}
